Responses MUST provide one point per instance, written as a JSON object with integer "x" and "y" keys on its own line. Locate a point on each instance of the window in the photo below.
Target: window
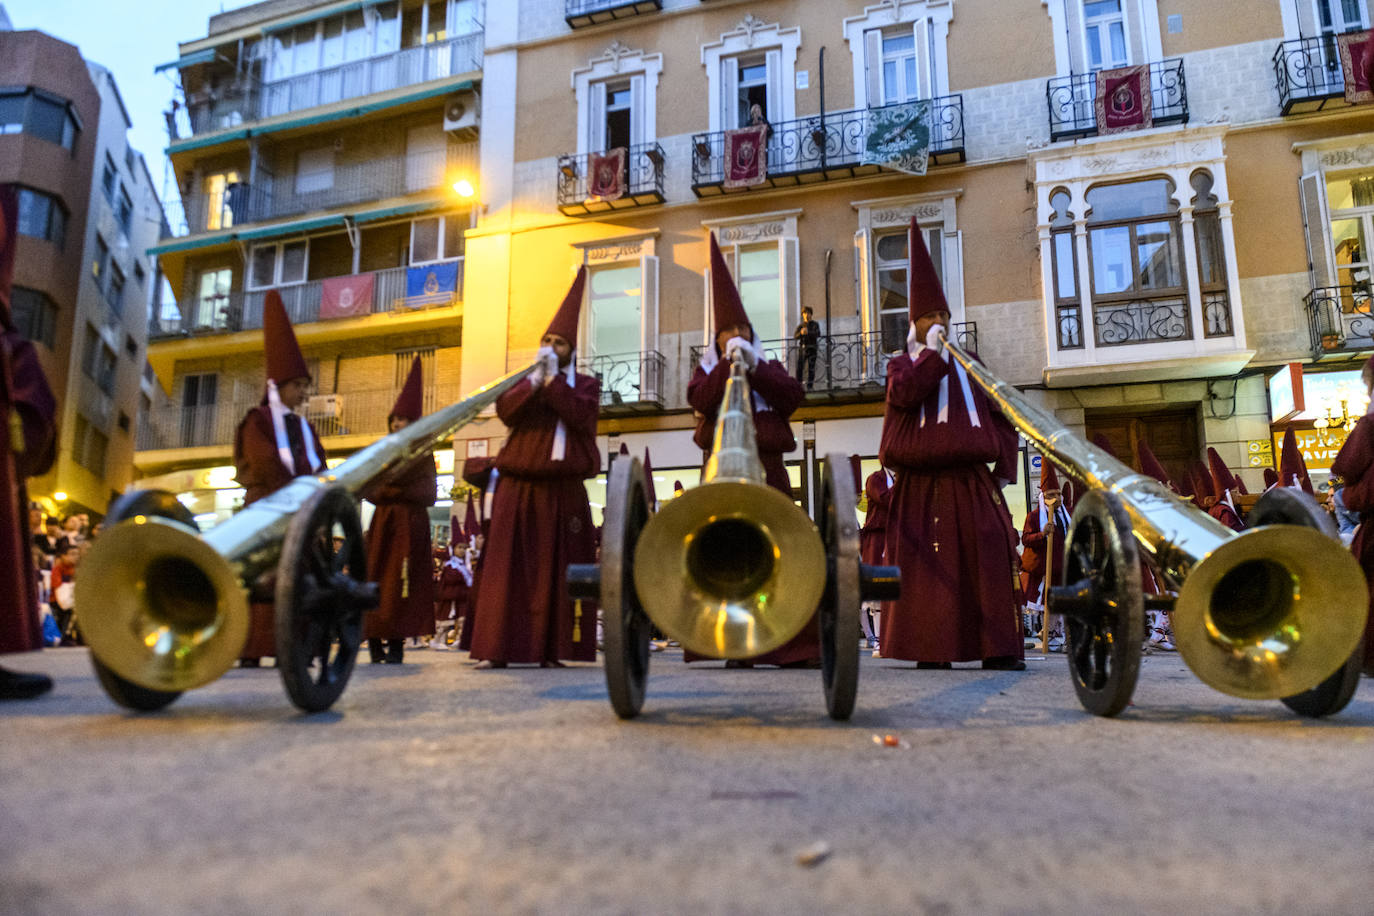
{"x": 426, "y": 155}
{"x": 212, "y": 306}
{"x": 1064, "y": 253}
{"x": 107, "y": 180}
{"x": 1104, "y": 34}
{"x": 351, "y": 36}
{"x": 1337, "y": 16}
{"x": 39, "y": 114}
{"x": 899, "y": 68}
{"x": 114, "y": 292}
{"x": 891, "y": 260}
{"x": 899, "y": 61}
{"x": 89, "y": 446}
{"x": 616, "y": 101}
{"x": 314, "y": 171}
{"x": 102, "y": 257}
{"x": 619, "y": 116}
{"x": 618, "y": 337}
{"x": 34, "y": 314}
{"x": 99, "y": 361}
{"x": 223, "y": 194}
{"x": 1350, "y": 202}
{"x": 42, "y": 216}
{"x": 198, "y": 394}
{"x": 278, "y": 264}
{"x": 436, "y": 238}
{"x": 753, "y": 64}
{"x": 131, "y": 347}
{"x": 124, "y": 211}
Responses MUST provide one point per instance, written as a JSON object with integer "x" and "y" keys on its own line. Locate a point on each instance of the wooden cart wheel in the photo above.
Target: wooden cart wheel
{"x": 838, "y": 615}
{"x": 159, "y": 504}
{"x": 625, "y": 627}
{"x": 1102, "y": 602}
{"x": 321, "y": 596}
{"x": 1285, "y": 506}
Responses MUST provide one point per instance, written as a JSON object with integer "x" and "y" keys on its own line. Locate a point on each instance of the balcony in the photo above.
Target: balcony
{"x": 579, "y": 13}
{"x": 242, "y": 311}
{"x": 246, "y": 99}
{"x": 630, "y": 382}
{"x": 354, "y": 183}
{"x": 353, "y": 413}
{"x": 1144, "y": 321}
{"x": 1340, "y": 319}
{"x": 642, "y": 180}
{"x": 848, "y": 366}
{"x": 824, "y": 148}
{"x": 1072, "y": 100}
{"x": 1307, "y": 72}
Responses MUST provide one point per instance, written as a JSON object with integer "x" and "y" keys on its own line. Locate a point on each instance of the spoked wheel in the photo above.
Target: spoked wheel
{"x": 840, "y": 605}
{"x": 1102, "y": 603}
{"x": 159, "y": 504}
{"x": 625, "y": 627}
{"x": 1284, "y": 506}
{"x": 321, "y": 597}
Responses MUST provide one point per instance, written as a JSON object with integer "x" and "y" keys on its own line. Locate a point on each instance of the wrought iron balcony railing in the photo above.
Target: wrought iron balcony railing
{"x": 578, "y": 13}
{"x": 1340, "y": 319}
{"x": 642, "y": 180}
{"x": 825, "y": 147}
{"x": 630, "y": 382}
{"x": 846, "y": 365}
{"x": 242, "y": 311}
{"x": 1145, "y": 321}
{"x": 348, "y": 413}
{"x": 1307, "y": 72}
{"x": 1072, "y": 99}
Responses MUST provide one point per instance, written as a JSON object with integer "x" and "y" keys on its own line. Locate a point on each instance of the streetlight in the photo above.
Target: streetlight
{"x": 463, "y": 188}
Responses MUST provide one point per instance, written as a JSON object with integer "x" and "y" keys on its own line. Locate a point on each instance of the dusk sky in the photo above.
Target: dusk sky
{"x": 129, "y": 39}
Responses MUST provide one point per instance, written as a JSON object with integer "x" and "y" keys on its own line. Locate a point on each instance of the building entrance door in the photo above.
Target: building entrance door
{"x": 1172, "y": 435}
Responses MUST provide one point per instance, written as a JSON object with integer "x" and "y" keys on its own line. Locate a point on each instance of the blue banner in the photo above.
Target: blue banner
{"x": 432, "y": 284}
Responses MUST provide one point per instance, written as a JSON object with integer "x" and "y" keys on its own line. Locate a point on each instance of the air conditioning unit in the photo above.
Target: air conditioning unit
{"x": 463, "y": 115}
{"x": 325, "y": 405}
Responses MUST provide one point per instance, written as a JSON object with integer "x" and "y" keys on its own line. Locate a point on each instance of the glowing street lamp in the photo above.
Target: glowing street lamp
{"x": 463, "y": 188}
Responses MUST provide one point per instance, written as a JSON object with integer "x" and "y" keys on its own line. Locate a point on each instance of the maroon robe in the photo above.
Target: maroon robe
{"x": 1355, "y": 465}
{"x": 950, "y": 532}
{"x": 771, "y": 381}
{"x": 873, "y": 535}
{"x": 259, "y": 468}
{"x": 1227, "y": 516}
{"x": 541, "y": 522}
{"x": 398, "y": 554}
{"x": 480, "y": 473}
{"x": 24, "y": 393}
{"x": 451, "y": 595}
{"x": 1033, "y": 554}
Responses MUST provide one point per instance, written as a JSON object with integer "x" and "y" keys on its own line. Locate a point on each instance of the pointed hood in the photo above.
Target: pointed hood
{"x": 1102, "y": 442}
{"x": 677, "y": 487}
{"x": 455, "y": 531}
{"x": 1222, "y": 478}
{"x": 649, "y": 479}
{"x": 564, "y": 322}
{"x": 1068, "y": 497}
{"x": 924, "y": 294}
{"x": 1271, "y": 478}
{"x": 727, "y": 309}
{"x": 409, "y": 403}
{"x": 1202, "y": 480}
{"x": 624, "y": 449}
{"x": 1292, "y": 467}
{"x": 1240, "y": 485}
{"x": 1049, "y": 478}
{"x": 9, "y": 231}
{"x": 471, "y": 527}
{"x": 284, "y": 359}
{"x": 1150, "y": 466}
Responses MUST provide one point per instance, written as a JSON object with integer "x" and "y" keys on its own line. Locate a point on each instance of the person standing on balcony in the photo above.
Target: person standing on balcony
{"x": 28, "y": 447}
{"x": 398, "y": 546}
{"x": 274, "y": 445}
{"x": 541, "y": 520}
{"x": 808, "y": 337}
{"x": 950, "y": 532}
{"x": 774, "y": 397}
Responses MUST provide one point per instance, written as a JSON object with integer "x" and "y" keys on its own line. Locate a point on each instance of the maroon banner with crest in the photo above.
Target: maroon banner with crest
{"x": 1123, "y": 100}
{"x": 746, "y": 156}
{"x": 606, "y": 174}
{"x": 1357, "y": 66}
{"x": 346, "y": 297}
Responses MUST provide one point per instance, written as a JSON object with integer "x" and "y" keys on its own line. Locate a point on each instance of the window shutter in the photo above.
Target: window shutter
{"x": 636, "y": 110}
{"x": 923, "y": 62}
{"x": 596, "y": 119}
{"x": 863, "y": 279}
{"x": 789, "y": 275}
{"x": 729, "y": 92}
{"x": 777, "y": 110}
{"x": 873, "y": 67}
{"x": 649, "y": 380}
{"x": 1316, "y": 222}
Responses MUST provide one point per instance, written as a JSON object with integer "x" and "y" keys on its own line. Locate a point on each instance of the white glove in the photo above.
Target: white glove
{"x": 536, "y": 375}
{"x": 549, "y": 361}
{"x": 745, "y": 348}
{"x": 934, "y": 337}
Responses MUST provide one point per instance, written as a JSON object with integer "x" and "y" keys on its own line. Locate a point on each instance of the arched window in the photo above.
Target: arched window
{"x": 1136, "y": 268}
{"x": 1068, "y": 313}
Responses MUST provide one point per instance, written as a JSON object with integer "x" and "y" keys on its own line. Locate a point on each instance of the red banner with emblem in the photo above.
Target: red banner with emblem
{"x": 346, "y": 297}
{"x": 606, "y": 174}
{"x": 1357, "y": 66}
{"x": 1123, "y": 100}
{"x": 746, "y": 156}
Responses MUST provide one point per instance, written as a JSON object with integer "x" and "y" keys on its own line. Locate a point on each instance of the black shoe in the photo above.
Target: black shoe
{"x": 395, "y": 651}
{"x": 738, "y": 663}
{"x": 250, "y": 663}
{"x": 20, "y": 685}
{"x": 934, "y": 666}
{"x": 1003, "y": 663}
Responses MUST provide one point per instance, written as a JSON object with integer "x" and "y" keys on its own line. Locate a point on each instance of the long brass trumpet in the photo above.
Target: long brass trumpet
{"x": 165, "y": 608}
{"x": 1267, "y": 613}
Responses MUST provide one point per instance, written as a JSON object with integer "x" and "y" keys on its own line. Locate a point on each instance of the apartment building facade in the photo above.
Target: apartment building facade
{"x": 315, "y": 148}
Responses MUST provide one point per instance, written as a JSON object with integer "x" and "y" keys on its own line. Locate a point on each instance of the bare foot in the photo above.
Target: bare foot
{"x": 487, "y": 663}
{"x": 553, "y": 664}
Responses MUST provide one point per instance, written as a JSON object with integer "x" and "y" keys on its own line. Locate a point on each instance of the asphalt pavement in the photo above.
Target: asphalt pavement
{"x": 434, "y": 787}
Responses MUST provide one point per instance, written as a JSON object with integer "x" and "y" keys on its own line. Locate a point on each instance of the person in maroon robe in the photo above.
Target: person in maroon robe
{"x": 873, "y": 546}
{"x": 482, "y": 474}
{"x": 775, "y": 395}
{"x": 1223, "y": 482}
{"x": 274, "y": 445}
{"x": 453, "y": 588}
{"x": 950, "y": 532}
{"x": 1042, "y": 551}
{"x": 1354, "y": 464}
{"x": 398, "y": 544}
{"x": 541, "y": 520}
{"x": 28, "y": 447}
{"x": 1293, "y": 467}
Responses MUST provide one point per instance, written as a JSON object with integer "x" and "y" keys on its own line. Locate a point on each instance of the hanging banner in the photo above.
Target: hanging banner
{"x": 606, "y": 175}
{"x": 431, "y": 284}
{"x": 898, "y": 137}
{"x": 1357, "y": 66}
{"x": 746, "y": 156}
{"x": 1123, "y": 100}
{"x": 346, "y": 297}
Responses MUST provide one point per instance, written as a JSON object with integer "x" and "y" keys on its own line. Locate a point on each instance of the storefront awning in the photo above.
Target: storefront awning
{"x": 371, "y": 216}
{"x": 279, "y": 229}
{"x": 190, "y": 60}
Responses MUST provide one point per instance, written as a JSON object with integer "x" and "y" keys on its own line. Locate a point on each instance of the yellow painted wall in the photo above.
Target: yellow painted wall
{"x": 1218, "y": 23}
{"x": 1263, "y": 172}
{"x": 999, "y": 42}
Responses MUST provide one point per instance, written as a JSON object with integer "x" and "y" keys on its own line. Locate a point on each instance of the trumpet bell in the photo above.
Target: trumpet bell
{"x": 159, "y": 607}
{"x": 730, "y": 569}
{"x": 1271, "y": 613}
